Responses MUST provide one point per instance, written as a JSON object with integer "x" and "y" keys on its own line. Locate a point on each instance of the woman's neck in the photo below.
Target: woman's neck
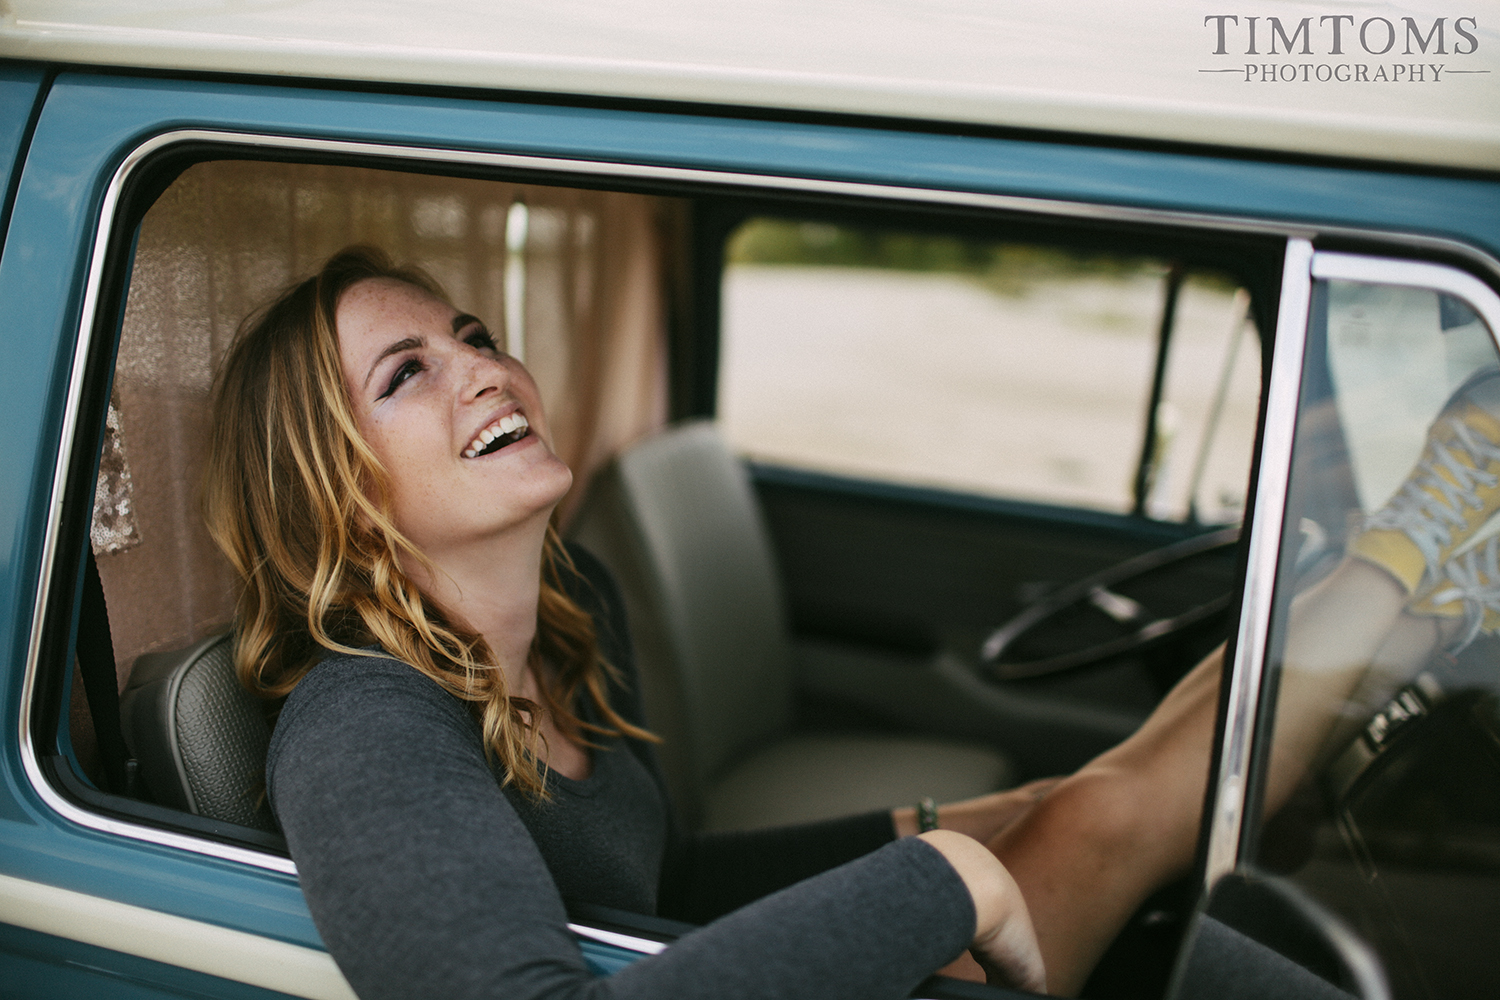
{"x": 493, "y": 587}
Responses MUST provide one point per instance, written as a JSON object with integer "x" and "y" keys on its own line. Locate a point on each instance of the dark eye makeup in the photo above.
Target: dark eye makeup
{"x": 404, "y": 371}
{"x": 478, "y": 338}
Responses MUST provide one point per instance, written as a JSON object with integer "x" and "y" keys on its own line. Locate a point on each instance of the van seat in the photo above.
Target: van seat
{"x": 676, "y": 521}
{"x": 199, "y": 737}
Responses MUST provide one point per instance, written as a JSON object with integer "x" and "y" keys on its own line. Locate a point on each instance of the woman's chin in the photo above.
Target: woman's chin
{"x": 561, "y": 480}
{"x": 532, "y": 470}
{"x": 543, "y": 488}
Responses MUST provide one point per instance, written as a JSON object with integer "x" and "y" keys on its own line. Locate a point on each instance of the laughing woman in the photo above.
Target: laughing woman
{"x": 460, "y": 753}
{"x": 460, "y": 748}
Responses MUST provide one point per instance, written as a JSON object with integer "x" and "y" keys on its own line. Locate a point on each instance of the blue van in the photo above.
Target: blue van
{"x": 1040, "y": 350}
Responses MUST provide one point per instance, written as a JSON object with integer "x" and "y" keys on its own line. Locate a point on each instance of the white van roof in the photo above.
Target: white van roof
{"x": 1417, "y": 81}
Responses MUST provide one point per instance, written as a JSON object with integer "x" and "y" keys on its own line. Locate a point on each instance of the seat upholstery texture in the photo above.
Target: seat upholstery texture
{"x": 676, "y": 521}
{"x": 200, "y": 737}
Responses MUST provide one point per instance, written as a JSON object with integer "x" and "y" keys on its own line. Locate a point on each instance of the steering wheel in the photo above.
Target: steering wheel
{"x": 1009, "y": 653}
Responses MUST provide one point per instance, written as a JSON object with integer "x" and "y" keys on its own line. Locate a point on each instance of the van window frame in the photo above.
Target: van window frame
{"x": 108, "y": 265}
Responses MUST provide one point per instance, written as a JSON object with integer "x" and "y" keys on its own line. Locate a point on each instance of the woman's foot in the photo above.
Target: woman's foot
{"x": 1450, "y": 494}
{"x": 1467, "y": 590}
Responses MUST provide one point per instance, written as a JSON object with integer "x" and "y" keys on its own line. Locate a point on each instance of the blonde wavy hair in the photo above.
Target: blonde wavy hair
{"x": 299, "y": 504}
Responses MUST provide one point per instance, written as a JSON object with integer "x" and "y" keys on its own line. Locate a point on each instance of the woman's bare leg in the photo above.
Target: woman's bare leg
{"x": 1102, "y": 839}
{"x": 1088, "y": 852}
{"x": 1091, "y": 850}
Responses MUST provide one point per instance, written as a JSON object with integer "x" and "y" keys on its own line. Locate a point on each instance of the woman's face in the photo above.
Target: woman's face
{"x": 457, "y": 424}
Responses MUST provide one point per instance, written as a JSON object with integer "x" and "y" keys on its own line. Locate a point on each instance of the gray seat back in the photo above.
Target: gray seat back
{"x": 199, "y": 737}
{"x": 675, "y": 520}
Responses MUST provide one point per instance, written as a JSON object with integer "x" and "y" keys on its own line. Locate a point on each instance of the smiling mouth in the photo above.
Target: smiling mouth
{"x": 507, "y": 430}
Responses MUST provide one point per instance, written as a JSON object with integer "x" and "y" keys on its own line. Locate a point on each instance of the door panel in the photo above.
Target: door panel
{"x": 893, "y": 591}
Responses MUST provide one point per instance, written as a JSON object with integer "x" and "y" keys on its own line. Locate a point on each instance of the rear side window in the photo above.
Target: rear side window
{"x": 1008, "y": 369}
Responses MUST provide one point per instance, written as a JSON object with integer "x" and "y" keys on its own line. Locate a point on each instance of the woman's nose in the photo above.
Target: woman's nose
{"x": 483, "y": 375}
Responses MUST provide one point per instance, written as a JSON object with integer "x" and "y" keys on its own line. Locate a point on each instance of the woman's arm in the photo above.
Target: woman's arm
{"x": 423, "y": 882}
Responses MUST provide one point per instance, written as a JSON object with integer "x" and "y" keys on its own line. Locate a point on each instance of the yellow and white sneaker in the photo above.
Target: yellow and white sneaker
{"x": 1469, "y": 588}
{"x": 1453, "y": 490}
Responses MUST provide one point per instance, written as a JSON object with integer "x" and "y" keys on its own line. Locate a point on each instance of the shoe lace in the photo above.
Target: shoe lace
{"x": 1475, "y": 580}
{"x": 1429, "y": 505}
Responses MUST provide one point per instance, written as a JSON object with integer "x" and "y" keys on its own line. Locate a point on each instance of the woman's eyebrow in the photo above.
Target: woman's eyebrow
{"x": 396, "y": 348}
{"x": 464, "y": 319}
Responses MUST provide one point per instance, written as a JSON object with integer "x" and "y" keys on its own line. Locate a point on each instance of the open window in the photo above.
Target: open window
{"x": 573, "y": 278}
{"x": 1114, "y": 416}
{"x": 957, "y": 424}
{"x": 587, "y": 285}
{"x": 1070, "y": 375}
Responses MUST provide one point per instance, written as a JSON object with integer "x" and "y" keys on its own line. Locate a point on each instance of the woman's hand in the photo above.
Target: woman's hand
{"x": 1004, "y": 942}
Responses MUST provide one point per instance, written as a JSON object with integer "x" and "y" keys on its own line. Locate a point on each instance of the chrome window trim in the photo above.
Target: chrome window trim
{"x": 1304, "y": 266}
{"x": 582, "y": 169}
{"x": 1243, "y": 696}
{"x": 629, "y": 942}
{"x": 1330, "y": 266}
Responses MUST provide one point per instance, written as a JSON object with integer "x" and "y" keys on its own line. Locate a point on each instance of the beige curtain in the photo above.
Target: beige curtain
{"x": 228, "y": 235}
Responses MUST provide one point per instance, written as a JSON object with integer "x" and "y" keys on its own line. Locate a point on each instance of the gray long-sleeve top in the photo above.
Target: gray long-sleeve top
{"x": 426, "y": 879}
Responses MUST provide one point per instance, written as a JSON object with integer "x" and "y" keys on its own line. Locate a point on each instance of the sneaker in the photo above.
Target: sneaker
{"x": 1467, "y": 588}
{"x": 1451, "y": 493}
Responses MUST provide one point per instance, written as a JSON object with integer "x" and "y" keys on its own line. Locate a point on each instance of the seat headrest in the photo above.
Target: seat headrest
{"x": 199, "y": 737}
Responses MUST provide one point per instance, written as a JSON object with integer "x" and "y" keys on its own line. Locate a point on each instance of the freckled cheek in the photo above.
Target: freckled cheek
{"x": 417, "y": 491}
{"x": 412, "y": 462}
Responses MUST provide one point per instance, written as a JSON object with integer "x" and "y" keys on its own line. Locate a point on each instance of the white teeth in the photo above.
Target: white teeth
{"x": 508, "y": 424}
